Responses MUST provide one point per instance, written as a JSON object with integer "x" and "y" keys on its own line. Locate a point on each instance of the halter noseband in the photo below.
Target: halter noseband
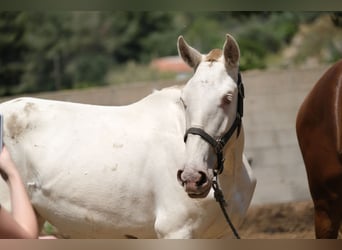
{"x": 219, "y": 143}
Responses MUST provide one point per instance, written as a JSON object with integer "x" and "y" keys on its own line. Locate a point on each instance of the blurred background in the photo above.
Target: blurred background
{"x": 48, "y": 51}
{"x": 118, "y": 57}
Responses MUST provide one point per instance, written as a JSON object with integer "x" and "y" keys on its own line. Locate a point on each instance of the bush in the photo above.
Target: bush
{"x": 89, "y": 69}
{"x": 252, "y": 55}
{"x": 42, "y": 51}
{"x": 262, "y": 36}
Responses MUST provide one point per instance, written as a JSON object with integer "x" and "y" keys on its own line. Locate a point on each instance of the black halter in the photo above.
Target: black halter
{"x": 219, "y": 143}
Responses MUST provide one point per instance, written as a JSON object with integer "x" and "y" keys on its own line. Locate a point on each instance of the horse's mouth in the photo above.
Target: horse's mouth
{"x": 199, "y": 195}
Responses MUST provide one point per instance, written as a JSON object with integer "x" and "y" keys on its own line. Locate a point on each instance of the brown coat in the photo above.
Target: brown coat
{"x": 319, "y": 132}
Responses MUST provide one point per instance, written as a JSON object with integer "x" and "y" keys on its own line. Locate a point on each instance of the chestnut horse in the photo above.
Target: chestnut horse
{"x": 319, "y": 132}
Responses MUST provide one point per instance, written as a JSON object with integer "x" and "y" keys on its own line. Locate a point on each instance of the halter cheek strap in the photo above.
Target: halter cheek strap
{"x": 219, "y": 143}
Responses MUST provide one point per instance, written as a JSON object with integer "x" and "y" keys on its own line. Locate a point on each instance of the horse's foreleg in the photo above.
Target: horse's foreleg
{"x": 182, "y": 233}
{"x": 170, "y": 229}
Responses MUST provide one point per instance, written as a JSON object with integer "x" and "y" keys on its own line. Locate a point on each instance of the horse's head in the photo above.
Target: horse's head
{"x": 212, "y": 103}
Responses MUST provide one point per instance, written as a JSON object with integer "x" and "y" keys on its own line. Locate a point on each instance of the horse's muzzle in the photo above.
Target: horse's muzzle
{"x": 196, "y": 183}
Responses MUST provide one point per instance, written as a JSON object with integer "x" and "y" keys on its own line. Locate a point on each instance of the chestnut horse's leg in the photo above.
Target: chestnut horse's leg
{"x": 324, "y": 172}
{"x": 326, "y": 190}
{"x": 327, "y": 219}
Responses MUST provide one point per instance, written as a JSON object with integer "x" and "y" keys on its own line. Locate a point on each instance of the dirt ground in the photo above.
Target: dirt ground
{"x": 293, "y": 220}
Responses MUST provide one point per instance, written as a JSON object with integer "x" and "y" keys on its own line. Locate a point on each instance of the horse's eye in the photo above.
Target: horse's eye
{"x": 227, "y": 98}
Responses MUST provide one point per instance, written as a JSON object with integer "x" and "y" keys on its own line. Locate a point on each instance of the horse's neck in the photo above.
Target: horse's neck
{"x": 167, "y": 101}
{"x": 233, "y": 152}
{"x": 236, "y": 144}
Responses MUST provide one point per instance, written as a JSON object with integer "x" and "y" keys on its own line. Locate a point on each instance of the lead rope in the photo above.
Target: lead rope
{"x": 218, "y": 194}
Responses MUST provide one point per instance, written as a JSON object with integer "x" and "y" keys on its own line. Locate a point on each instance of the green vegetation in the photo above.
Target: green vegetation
{"x": 44, "y": 51}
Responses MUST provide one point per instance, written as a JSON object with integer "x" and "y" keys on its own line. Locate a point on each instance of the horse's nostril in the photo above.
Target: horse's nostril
{"x": 179, "y": 177}
{"x": 203, "y": 179}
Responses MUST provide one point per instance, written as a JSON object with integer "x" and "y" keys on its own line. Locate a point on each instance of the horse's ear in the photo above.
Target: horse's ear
{"x": 231, "y": 52}
{"x": 189, "y": 55}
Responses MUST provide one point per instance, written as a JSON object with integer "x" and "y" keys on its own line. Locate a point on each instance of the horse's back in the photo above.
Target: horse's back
{"x": 23, "y": 116}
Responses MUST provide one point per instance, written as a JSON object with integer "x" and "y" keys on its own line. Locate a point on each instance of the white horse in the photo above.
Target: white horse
{"x": 111, "y": 172}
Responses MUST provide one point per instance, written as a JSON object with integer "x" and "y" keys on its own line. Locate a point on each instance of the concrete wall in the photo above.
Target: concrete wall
{"x": 272, "y": 102}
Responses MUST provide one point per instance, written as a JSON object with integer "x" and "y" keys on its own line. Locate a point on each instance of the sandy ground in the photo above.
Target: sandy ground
{"x": 292, "y": 220}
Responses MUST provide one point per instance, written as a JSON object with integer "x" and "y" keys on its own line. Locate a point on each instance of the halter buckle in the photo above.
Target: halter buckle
{"x": 219, "y": 145}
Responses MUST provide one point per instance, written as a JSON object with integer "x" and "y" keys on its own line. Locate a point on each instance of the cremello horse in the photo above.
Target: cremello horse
{"x": 111, "y": 172}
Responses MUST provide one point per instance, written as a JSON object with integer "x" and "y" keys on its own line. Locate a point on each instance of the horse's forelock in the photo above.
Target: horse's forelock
{"x": 213, "y": 55}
